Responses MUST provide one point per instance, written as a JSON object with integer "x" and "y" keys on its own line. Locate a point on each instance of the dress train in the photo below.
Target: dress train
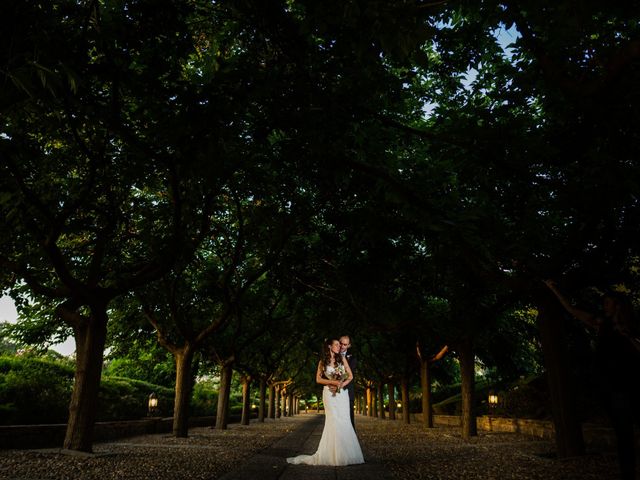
{"x": 339, "y": 444}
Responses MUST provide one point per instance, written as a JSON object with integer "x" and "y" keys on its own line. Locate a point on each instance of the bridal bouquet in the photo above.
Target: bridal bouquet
{"x": 339, "y": 373}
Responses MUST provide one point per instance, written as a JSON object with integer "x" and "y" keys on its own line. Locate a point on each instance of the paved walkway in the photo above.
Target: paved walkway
{"x": 271, "y": 463}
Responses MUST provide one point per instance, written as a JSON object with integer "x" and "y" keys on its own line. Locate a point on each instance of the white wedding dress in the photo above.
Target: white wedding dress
{"x": 339, "y": 444}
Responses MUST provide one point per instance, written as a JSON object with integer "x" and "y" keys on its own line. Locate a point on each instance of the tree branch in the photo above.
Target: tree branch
{"x": 160, "y": 333}
{"x": 34, "y": 284}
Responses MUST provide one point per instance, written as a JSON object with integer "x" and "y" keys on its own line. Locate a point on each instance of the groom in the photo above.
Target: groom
{"x": 345, "y": 344}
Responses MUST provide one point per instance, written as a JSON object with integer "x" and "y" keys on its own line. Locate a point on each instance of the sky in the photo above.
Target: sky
{"x": 8, "y": 314}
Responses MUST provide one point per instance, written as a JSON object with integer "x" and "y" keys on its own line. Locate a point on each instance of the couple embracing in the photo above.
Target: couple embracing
{"x": 339, "y": 443}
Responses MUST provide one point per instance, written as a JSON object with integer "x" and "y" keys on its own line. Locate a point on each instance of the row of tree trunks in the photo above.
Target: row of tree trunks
{"x": 280, "y": 403}
{"x": 372, "y": 402}
{"x": 569, "y": 440}
{"x": 568, "y": 437}
{"x": 286, "y": 404}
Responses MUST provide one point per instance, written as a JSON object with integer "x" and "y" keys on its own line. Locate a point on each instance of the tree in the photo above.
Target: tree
{"x": 103, "y": 187}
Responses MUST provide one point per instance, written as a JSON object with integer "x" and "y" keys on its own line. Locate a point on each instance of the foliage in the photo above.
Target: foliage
{"x": 37, "y": 390}
{"x": 204, "y": 399}
{"x": 34, "y": 390}
{"x": 389, "y": 170}
{"x": 127, "y": 399}
{"x": 155, "y": 369}
{"x": 8, "y": 346}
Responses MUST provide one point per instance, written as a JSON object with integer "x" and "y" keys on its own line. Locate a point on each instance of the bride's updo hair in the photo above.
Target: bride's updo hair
{"x": 326, "y": 352}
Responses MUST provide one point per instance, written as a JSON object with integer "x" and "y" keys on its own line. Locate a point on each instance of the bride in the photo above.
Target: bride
{"x": 339, "y": 443}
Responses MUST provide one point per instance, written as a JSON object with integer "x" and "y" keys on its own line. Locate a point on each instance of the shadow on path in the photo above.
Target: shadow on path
{"x": 271, "y": 463}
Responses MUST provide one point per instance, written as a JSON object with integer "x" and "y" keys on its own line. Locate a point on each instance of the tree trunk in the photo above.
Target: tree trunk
{"x": 184, "y": 382}
{"x": 374, "y": 401}
{"x": 272, "y": 400}
{"x": 263, "y": 400}
{"x": 467, "y": 372}
{"x": 392, "y": 401}
{"x": 283, "y": 402}
{"x": 246, "y": 400}
{"x": 222, "y": 416}
{"x": 405, "y": 400}
{"x": 425, "y": 383}
{"x": 90, "y": 336}
{"x": 381, "y": 400}
{"x": 569, "y": 440}
{"x": 278, "y": 411}
{"x": 369, "y": 402}
{"x": 290, "y": 406}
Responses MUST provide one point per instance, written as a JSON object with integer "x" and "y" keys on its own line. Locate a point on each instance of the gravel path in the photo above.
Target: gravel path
{"x": 206, "y": 454}
{"x": 414, "y": 452}
{"x": 407, "y": 451}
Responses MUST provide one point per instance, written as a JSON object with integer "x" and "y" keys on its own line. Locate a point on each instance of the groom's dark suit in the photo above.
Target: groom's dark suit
{"x": 353, "y": 364}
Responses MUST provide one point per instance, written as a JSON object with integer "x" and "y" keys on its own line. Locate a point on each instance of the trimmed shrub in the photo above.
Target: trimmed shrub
{"x": 127, "y": 399}
{"x": 204, "y": 400}
{"x": 37, "y": 390}
{"x": 34, "y": 390}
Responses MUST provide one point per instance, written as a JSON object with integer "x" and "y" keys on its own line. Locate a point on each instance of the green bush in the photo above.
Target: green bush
{"x": 127, "y": 399}
{"x": 204, "y": 400}
{"x": 38, "y": 390}
{"x": 34, "y": 390}
{"x": 148, "y": 369}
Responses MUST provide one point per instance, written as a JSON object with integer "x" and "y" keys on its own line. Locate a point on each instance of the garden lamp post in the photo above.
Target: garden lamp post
{"x": 153, "y": 404}
{"x": 493, "y": 400}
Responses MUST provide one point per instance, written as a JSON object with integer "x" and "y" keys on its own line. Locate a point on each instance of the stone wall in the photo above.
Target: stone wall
{"x": 594, "y": 435}
{"x": 534, "y": 428}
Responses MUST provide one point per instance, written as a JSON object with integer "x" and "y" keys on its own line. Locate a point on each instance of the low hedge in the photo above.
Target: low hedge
{"x": 35, "y": 390}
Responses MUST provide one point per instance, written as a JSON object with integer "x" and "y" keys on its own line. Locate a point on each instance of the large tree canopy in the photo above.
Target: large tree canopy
{"x": 402, "y": 171}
